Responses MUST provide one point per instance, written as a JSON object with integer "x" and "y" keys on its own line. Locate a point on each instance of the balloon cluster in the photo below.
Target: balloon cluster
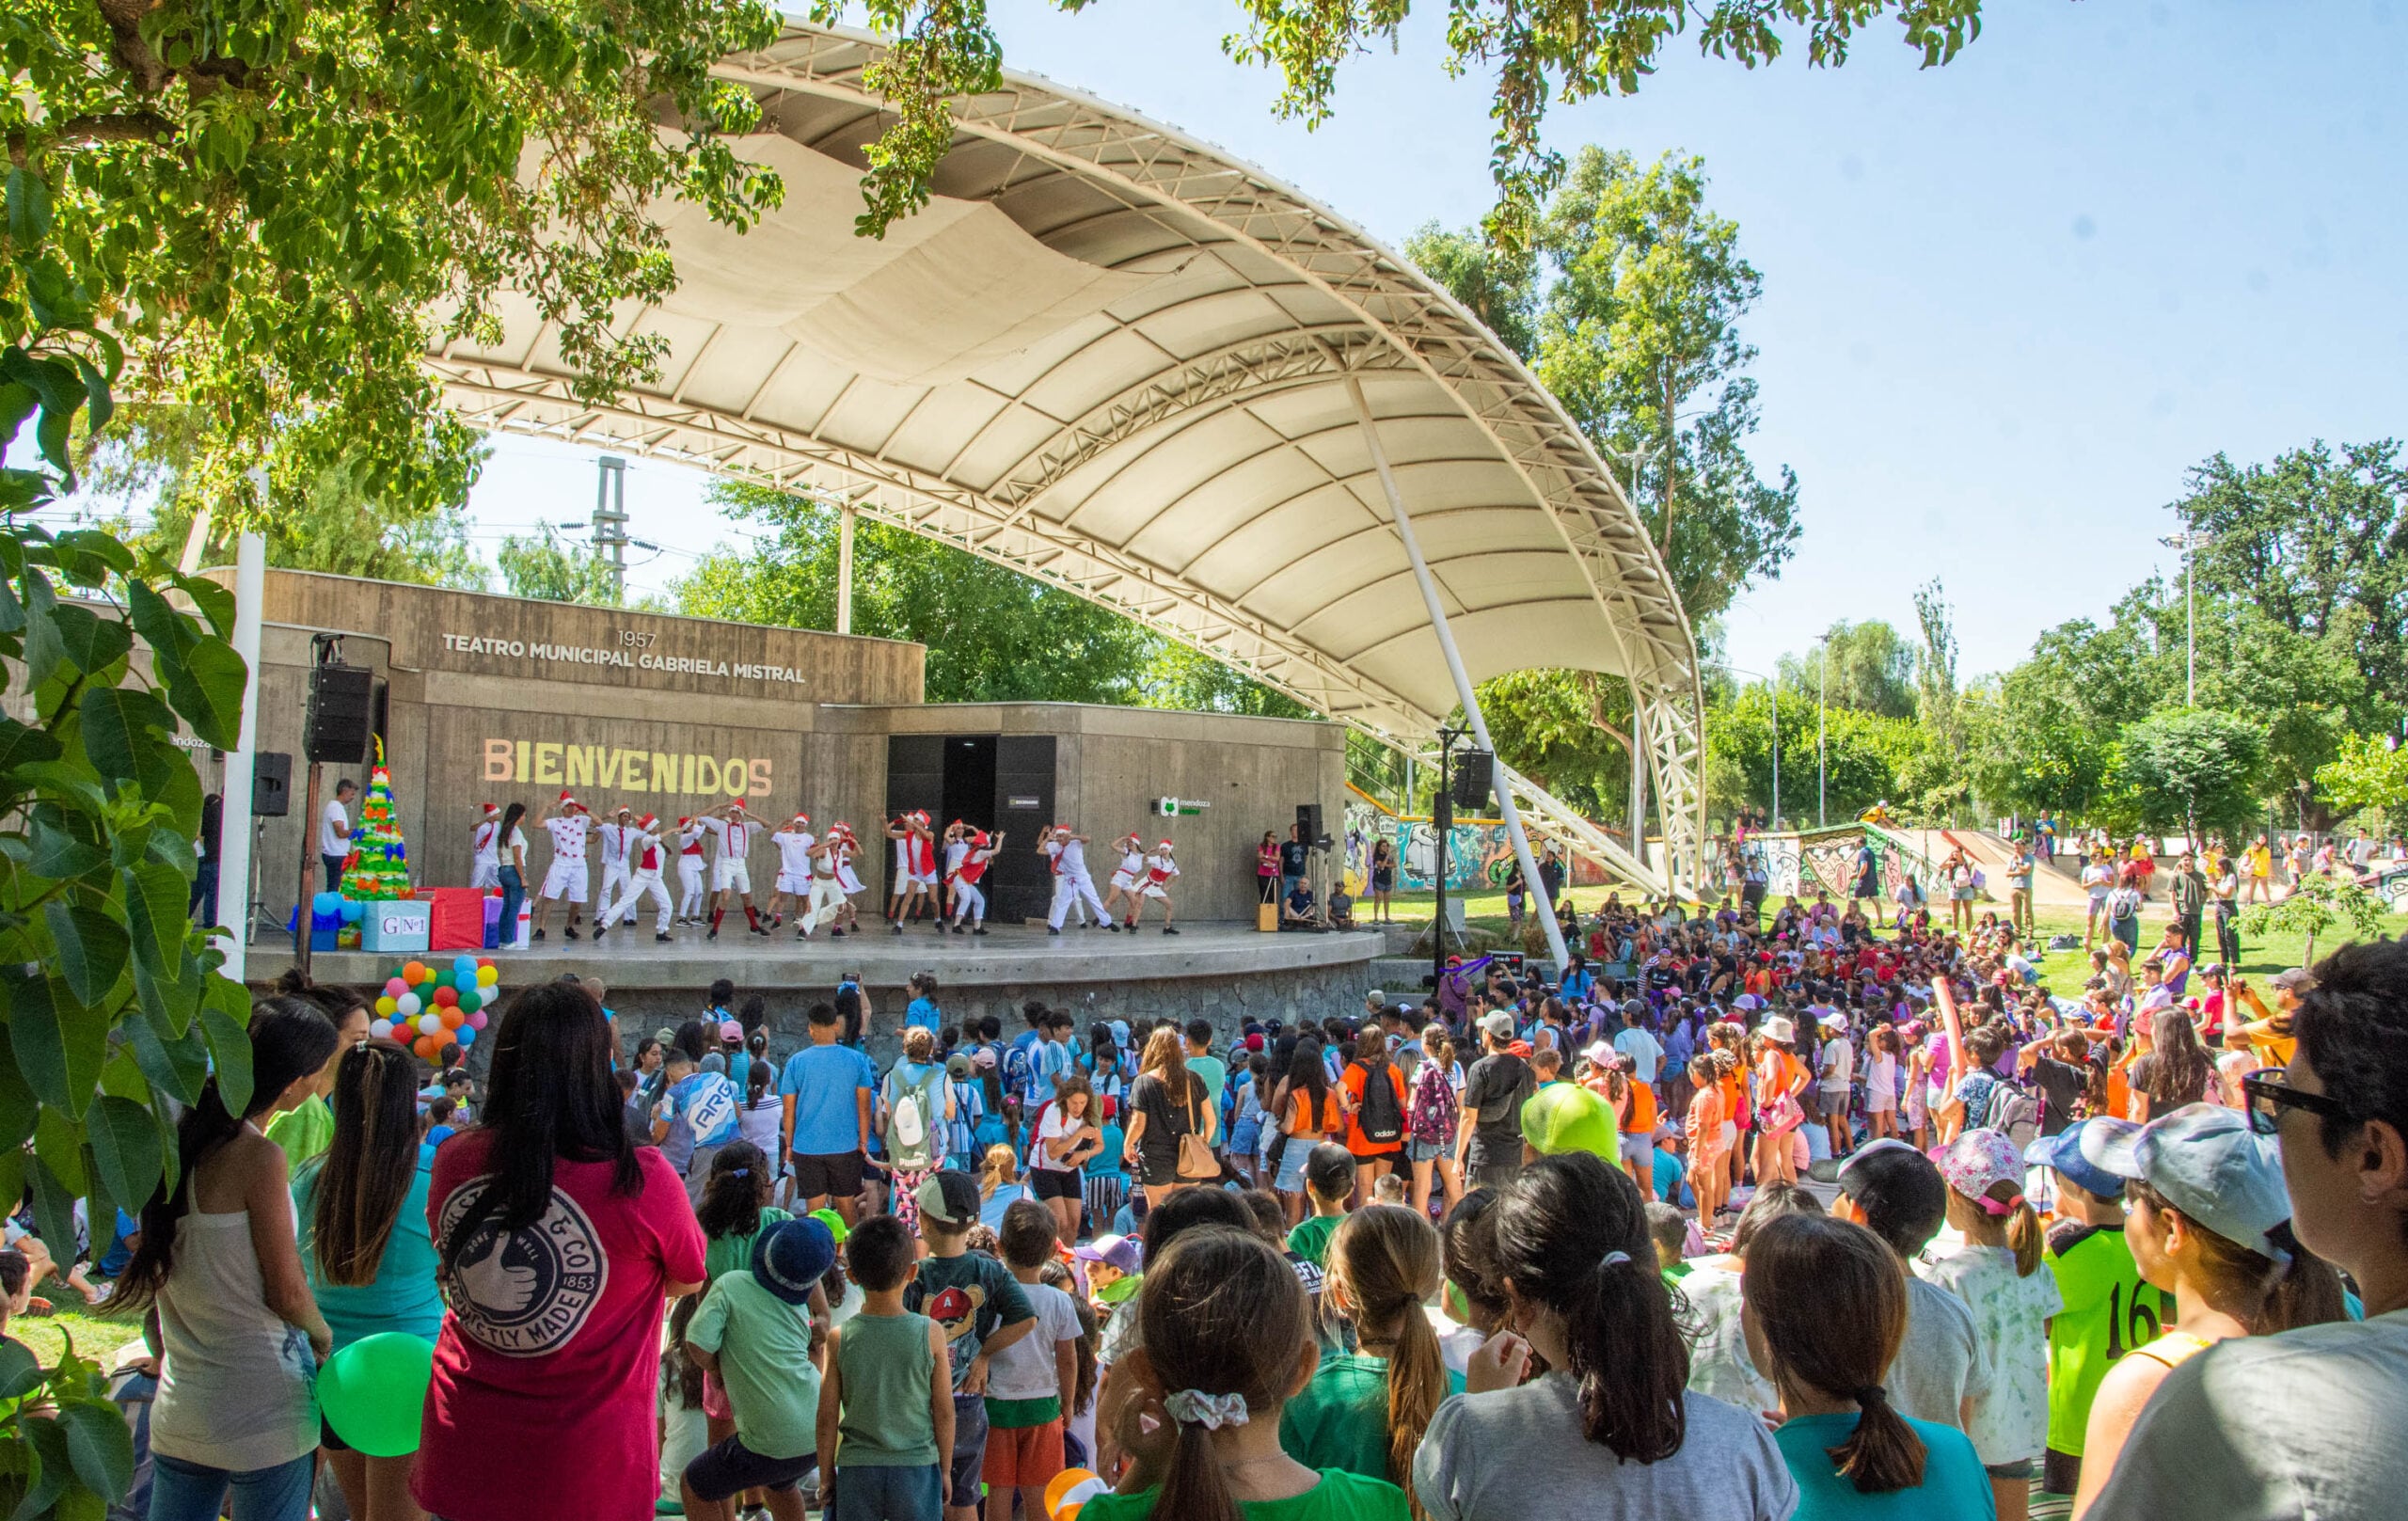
{"x": 427, "y": 1007}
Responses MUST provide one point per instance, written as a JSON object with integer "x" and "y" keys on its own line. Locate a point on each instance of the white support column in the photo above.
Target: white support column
{"x": 1455, "y": 668}
{"x": 234, "y": 812}
{"x": 1638, "y": 794}
{"x": 845, "y": 517}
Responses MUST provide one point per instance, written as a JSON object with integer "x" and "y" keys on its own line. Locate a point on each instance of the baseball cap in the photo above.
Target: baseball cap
{"x": 1497, "y": 1023}
{"x": 982, "y": 1058}
{"x": 1979, "y": 1160}
{"x": 1376, "y": 996}
{"x": 1119, "y": 1252}
{"x": 1900, "y": 1191}
{"x": 1600, "y": 1051}
{"x": 730, "y": 1032}
{"x": 2299, "y": 980}
{"x": 949, "y": 1199}
{"x": 2065, "y": 1153}
{"x": 2203, "y": 1160}
{"x": 957, "y": 1065}
{"x": 791, "y": 1256}
{"x": 834, "y": 1222}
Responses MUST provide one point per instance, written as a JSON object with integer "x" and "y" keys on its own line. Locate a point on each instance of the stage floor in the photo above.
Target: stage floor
{"x": 1006, "y": 954}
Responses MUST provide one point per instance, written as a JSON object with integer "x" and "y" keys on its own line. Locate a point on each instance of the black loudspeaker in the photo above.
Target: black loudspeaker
{"x": 1475, "y": 771}
{"x": 342, "y": 703}
{"x": 271, "y": 784}
{"x": 1308, "y": 820}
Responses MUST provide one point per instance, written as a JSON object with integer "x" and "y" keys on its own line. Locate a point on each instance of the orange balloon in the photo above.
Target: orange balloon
{"x": 428, "y": 1047}
{"x": 452, "y": 1016}
{"x": 414, "y": 973}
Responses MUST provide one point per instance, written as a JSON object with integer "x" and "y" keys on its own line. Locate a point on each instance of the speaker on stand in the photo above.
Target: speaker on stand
{"x": 271, "y": 798}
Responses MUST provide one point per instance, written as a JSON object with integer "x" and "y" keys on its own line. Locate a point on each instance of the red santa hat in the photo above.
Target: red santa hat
{"x": 568, "y": 800}
{"x": 1164, "y": 846}
{"x": 801, "y": 818}
{"x": 649, "y": 821}
{"x": 737, "y": 804}
{"x": 493, "y": 810}
{"x": 978, "y": 837}
{"x": 683, "y": 820}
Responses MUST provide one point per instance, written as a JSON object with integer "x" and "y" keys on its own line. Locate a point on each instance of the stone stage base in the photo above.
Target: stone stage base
{"x": 1222, "y": 972}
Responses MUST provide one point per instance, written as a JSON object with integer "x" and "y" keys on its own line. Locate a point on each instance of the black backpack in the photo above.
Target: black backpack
{"x": 1382, "y": 1120}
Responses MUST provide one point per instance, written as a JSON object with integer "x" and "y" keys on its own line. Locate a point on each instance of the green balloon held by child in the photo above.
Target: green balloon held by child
{"x": 374, "y": 1390}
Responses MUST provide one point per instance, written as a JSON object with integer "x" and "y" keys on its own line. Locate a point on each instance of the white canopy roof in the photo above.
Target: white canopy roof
{"x": 1114, "y": 359}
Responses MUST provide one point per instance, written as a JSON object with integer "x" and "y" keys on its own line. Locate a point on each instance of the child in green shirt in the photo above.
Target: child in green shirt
{"x": 885, "y": 1422}
{"x": 1329, "y": 1181}
{"x": 755, "y": 1330}
{"x": 1382, "y": 1263}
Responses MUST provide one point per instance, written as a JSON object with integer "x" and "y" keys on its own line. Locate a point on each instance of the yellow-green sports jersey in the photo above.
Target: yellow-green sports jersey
{"x": 2108, "y": 1311}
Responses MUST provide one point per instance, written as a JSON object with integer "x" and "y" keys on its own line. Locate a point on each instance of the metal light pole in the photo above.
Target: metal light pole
{"x": 1822, "y": 708}
{"x": 2186, "y": 541}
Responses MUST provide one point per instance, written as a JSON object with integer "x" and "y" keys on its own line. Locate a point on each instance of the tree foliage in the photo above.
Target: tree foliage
{"x": 1868, "y": 666}
{"x": 276, "y": 210}
{"x": 2316, "y": 906}
{"x": 1864, "y": 758}
{"x": 992, "y": 634}
{"x": 113, "y": 1011}
{"x": 2370, "y": 771}
{"x": 2194, "y": 770}
{"x": 544, "y": 565}
{"x": 146, "y": 457}
{"x": 2317, "y": 541}
{"x": 1541, "y": 52}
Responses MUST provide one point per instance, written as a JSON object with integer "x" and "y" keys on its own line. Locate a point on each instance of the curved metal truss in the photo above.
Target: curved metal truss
{"x": 1384, "y": 317}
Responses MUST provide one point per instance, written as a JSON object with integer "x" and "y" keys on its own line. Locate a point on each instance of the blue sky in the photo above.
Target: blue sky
{"x": 2007, "y": 302}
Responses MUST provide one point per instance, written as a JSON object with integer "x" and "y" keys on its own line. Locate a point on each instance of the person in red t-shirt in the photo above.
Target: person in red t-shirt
{"x": 557, "y": 1240}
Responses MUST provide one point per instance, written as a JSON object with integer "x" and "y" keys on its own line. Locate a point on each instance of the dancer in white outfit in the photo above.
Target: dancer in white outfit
{"x": 615, "y": 839}
{"x": 957, "y": 845}
{"x": 1160, "y": 868}
{"x": 827, "y": 896}
{"x": 484, "y": 843}
{"x": 731, "y": 873}
{"x": 645, "y": 857}
{"x": 689, "y": 871}
{"x": 849, "y": 883}
{"x": 796, "y": 845}
{"x": 1067, "y": 854}
{"x": 969, "y": 900}
{"x": 1120, "y": 890}
{"x": 569, "y": 825}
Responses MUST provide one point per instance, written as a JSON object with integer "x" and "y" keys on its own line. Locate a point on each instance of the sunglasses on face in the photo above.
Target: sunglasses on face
{"x": 2268, "y": 1092}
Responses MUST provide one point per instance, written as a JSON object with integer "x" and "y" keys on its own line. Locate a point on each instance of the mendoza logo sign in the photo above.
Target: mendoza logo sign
{"x": 616, "y": 768}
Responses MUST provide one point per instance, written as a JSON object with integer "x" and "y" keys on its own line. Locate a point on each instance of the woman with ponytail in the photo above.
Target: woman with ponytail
{"x": 1995, "y": 1274}
{"x": 1611, "y": 1433}
{"x": 362, "y": 1207}
{"x": 1227, "y": 1343}
{"x": 1365, "y": 1411}
{"x": 2208, "y": 1222}
{"x": 557, "y": 1241}
{"x": 1825, "y": 1309}
{"x": 237, "y": 1331}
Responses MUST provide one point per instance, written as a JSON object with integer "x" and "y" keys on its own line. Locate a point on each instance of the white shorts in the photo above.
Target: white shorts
{"x": 1122, "y": 881}
{"x": 793, "y": 882}
{"x": 929, "y": 881}
{"x": 486, "y": 873}
{"x": 729, "y": 871}
{"x": 845, "y": 880}
{"x": 1154, "y": 890}
{"x": 566, "y": 878}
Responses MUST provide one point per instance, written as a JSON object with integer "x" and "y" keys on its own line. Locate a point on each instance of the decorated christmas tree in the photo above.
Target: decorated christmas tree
{"x": 378, "y": 866}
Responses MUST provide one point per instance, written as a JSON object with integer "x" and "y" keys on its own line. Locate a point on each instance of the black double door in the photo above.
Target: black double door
{"x": 998, "y": 783}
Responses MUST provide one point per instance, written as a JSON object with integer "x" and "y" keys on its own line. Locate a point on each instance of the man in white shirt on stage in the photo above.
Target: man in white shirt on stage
{"x": 569, "y": 825}
{"x": 1067, "y": 854}
{"x": 796, "y": 845}
{"x": 334, "y": 833}
{"x": 731, "y": 873}
{"x": 645, "y": 857}
{"x": 484, "y": 846}
{"x": 618, "y": 839}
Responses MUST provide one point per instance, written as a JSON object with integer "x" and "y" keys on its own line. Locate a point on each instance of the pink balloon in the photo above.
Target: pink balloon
{"x": 395, "y": 987}
{"x": 477, "y": 1020}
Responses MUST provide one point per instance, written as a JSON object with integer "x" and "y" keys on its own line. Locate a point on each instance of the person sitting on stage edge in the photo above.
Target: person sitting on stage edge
{"x": 1297, "y": 911}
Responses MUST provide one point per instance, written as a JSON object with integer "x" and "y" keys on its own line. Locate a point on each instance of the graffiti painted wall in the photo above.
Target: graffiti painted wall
{"x": 1479, "y": 857}
{"x": 1824, "y": 861}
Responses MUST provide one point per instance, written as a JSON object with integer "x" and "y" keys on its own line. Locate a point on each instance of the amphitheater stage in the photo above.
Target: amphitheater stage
{"x": 1223, "y": 972}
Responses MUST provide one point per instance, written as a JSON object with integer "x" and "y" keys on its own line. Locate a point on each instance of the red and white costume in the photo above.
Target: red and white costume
{"x": 615, "y": 839}
{"x": 690, "y": 890}
{"x": 794, "y": 844}
{"x": 566, "y": 875}
{"x": 484, "y": 863}
{"x": 969, "y": 900}
{"x": 646, "y": 855}
{"x": 1160, "y": 869}
{"x": 1132, "y": 869}
{"x": 1069, "y": 857}
{"x": 735, "y": 836}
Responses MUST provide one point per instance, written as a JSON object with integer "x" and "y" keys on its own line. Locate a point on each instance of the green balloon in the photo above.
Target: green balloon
{"x": 469, "y": 1002}
{"x": 372, "y": 1392}
{"x": 443, "y": 979}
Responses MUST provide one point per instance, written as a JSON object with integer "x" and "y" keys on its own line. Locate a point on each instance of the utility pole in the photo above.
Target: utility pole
{"x": 611, "y": 520}
{"x": 2186, "y": 541}
{"x": 1822, "y": 709}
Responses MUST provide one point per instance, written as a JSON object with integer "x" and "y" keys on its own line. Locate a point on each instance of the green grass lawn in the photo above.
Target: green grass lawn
{"x": 98, "y": 1337}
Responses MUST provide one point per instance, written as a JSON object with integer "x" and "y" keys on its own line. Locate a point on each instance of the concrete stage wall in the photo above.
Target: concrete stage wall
{"x": 501, "y": 699}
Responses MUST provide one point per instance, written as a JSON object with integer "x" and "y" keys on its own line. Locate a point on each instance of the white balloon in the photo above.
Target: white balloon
{"x": 430, "y": 1024}
{"x": 407, "y": 1005}
{"x": 381, "y": 1029}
